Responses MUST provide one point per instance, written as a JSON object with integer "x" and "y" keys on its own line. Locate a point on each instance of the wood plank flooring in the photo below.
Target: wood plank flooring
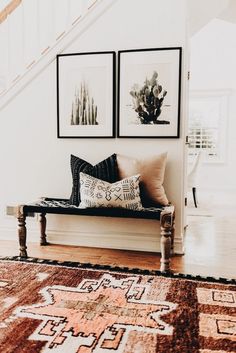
{"x": 210, "y": 250}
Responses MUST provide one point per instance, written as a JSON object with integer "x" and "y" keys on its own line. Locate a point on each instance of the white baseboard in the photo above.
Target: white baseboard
{"x": 109, "y": 240}
{"x": 112, "y": 240}
{"x": 178, "y": 246}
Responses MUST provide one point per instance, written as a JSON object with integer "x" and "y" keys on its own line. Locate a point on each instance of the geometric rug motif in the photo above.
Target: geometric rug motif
{"x": 61, "y": 309}
{"x": 98, "y": 314}
{"x": 216, "y": 324}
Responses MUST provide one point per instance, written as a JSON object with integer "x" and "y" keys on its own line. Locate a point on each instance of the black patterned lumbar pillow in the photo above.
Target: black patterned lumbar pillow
{"x": 121, "y": 194}
{"x": 104, "y": 170}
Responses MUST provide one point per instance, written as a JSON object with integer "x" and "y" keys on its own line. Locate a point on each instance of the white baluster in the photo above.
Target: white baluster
{"x": 15, "y": 20}
{"x": 84, "y": 7}
{"x": 30, "y": 32}
{"x": 76, "y": 10}
{"x": 45, "y": 25}
{"x": 4, "y": 60}
{"x": 90, "y": 3}
{"x": 61, "y": 16}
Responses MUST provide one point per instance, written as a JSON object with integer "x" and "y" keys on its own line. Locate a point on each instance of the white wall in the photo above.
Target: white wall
{"x": 35, "y": 163}
{"x": 202, "y": 11}
{"x": 213, "y": 55}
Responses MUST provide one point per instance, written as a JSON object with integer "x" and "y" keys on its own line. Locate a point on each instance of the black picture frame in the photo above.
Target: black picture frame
{"x": 86, "y": 94}
{"x": 149, "y": 92}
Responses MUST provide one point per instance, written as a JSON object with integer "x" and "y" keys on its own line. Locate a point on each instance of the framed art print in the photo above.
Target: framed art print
{"x": 149, "y": 92}
{"x": 86, "y": 95}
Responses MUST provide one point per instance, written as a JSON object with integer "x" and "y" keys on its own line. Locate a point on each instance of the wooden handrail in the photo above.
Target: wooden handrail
{"x": 9, "y": 9}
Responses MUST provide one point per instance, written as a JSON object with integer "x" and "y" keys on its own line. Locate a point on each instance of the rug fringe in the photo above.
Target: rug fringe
{"x": 137, "y": 271}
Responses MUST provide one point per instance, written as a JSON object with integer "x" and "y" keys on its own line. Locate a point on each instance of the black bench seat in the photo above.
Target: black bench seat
{"x": 63, "y": 206}
{"x": 164, "y": 215}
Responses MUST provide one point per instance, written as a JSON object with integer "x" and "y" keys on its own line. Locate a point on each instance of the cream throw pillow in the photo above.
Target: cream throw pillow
{"x": 98, "y": 193}
{"x": 152, "y": 171}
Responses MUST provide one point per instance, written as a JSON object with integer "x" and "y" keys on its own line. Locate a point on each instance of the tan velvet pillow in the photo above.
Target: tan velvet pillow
{"x": 152, "y": 171}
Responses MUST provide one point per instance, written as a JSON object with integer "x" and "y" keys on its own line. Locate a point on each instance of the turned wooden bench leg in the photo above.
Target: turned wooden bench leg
{"x": 167, "y": 233}
{"x": 22, "y": 235}
{"x": 165, "y": 250}
{"x": 43, "y": 224}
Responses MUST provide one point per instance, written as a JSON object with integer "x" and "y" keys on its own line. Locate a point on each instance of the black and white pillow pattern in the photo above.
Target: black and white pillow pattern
{"x": 105, "y": 170}
{"x": 98, "y": 193}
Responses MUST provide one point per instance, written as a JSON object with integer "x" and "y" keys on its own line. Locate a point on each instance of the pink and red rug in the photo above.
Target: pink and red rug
{"x": 56, "y": 308}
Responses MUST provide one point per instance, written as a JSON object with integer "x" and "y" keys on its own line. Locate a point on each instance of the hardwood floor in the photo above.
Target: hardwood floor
{"x": 210, "y": 247}
{"x": 210, "y": 250}
{"x": 210, "y": 243}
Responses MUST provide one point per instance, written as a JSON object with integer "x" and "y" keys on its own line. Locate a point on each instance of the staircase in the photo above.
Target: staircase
{"x": 33, "y": 32}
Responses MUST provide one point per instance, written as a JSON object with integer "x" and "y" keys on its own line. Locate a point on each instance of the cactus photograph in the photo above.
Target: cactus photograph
{"x": 86, "y": 95}
{"x": 148, "y": 100}
{"x": 83, "y": 109}
{"x": 149, "y": 92}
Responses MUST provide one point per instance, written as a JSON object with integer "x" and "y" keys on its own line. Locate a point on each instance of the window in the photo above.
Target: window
{"x": 207, "y": 124}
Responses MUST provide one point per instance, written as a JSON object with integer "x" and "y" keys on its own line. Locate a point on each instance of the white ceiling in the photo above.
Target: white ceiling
{"x": 201, "y": 12}
{"x": 229, "y": 14}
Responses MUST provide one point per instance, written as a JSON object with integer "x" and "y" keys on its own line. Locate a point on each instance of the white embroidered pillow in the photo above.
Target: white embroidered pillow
{"x": 124, "y": 193}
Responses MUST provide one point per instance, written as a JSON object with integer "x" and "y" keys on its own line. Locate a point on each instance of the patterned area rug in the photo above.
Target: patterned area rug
{"x": 74, "y": 308}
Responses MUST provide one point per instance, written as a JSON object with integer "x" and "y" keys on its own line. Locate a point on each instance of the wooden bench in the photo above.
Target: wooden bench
{"x": 164, "y": 215}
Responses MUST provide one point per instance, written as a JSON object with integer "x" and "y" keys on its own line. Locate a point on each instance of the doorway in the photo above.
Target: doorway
{"x": 210, "y": 240}
{"x": 212, "y": 111}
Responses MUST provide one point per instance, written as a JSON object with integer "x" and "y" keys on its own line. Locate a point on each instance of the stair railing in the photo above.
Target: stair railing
{"x": 32, "y": 32}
